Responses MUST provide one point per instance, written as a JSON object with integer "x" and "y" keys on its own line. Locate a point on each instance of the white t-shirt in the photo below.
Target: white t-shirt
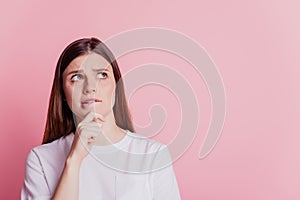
{"x": 134, "y": 168}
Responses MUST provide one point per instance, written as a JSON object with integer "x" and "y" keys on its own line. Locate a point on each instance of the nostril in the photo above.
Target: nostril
{"x": 90, "y": 91}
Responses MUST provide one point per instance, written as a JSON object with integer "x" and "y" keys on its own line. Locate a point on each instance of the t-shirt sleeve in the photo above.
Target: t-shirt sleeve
{"x": 165, "y": 185}
{"x": 35, "y": 184}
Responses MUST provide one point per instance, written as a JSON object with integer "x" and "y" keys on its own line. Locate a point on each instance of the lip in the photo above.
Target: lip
{"x": 89, "y": 101}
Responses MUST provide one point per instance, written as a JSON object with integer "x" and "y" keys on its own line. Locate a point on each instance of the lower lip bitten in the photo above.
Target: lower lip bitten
{"x": 85, "y": 105}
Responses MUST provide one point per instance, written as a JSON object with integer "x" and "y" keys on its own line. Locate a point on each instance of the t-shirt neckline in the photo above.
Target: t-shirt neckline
{"x": 112, "y": 147}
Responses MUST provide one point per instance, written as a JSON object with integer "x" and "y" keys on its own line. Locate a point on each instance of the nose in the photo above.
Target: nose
{"x": 89, "y": 86}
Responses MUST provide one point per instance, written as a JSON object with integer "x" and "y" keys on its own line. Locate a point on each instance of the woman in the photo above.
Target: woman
{"x": 90, "y": 150}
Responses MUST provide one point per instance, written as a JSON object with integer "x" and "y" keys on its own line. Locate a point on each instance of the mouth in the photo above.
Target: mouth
{"x": 85, "y": 103}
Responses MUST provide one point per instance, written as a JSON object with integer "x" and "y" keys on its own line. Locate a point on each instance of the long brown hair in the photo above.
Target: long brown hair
{"x": 60, "y": 120}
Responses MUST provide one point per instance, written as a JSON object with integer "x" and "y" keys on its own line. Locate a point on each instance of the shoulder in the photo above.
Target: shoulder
{"x": 44, "y": 165}
{"x": 57, "y": 145}
{"x": 145, "y": 154}
{"x": 51, "y": 151}
{"x": 143, "y": 143}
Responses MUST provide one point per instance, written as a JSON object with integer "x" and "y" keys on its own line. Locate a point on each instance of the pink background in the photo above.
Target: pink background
{"x": 253, "y": 43}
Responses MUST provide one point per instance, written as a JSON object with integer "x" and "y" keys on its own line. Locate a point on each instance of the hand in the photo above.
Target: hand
{"x": 86, "y": 133}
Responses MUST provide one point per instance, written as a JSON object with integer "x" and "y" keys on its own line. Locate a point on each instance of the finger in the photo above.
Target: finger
{"x": 91, "y": 129}
{"x": 88, "y": 126}
{"x": 90, "y": 133}
{"x": 95, "y": 123}
{"x": 91, "y": 140}
{"x": 99, "y": 117}
{"x": 92, "y": 116}
{"x": 88, "y": 118}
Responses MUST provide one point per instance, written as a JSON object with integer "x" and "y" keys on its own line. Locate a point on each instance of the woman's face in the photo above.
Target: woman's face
{"x": 89, "y": 85}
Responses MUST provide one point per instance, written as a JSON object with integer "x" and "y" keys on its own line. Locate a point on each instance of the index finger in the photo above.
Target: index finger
{"x": 92, "y": 115}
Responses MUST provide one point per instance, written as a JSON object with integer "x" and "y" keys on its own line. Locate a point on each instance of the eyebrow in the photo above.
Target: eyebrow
{"x": 80, "y": 71}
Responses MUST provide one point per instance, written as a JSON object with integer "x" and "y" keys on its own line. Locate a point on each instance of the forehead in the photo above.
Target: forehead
{"x": 89, "y": 62}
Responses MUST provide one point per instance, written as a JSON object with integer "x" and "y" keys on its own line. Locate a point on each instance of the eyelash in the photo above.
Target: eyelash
{"x": 81, "y": 76}
{"x": 103, "y": 73}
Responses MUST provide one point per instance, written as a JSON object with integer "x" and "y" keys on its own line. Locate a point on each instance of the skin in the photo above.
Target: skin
{"x": 87, "y": 76}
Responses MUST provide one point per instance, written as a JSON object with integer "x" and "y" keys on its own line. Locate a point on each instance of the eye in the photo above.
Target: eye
{"x": 76, "y": 77}
{"x": 102, "y": 75}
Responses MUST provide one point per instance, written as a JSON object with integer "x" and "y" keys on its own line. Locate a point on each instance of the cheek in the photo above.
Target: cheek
{"x": 112, "y": 93}
{"x": 113, "y": 98}
{"x": 107, "y": 88}
{"x": 71, "y": 94}
{"x": 108, "y": 93}
{"x": 67, "y": 91}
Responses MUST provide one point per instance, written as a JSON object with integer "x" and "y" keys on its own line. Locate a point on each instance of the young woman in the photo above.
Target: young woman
{"x": 90, "y": 150}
